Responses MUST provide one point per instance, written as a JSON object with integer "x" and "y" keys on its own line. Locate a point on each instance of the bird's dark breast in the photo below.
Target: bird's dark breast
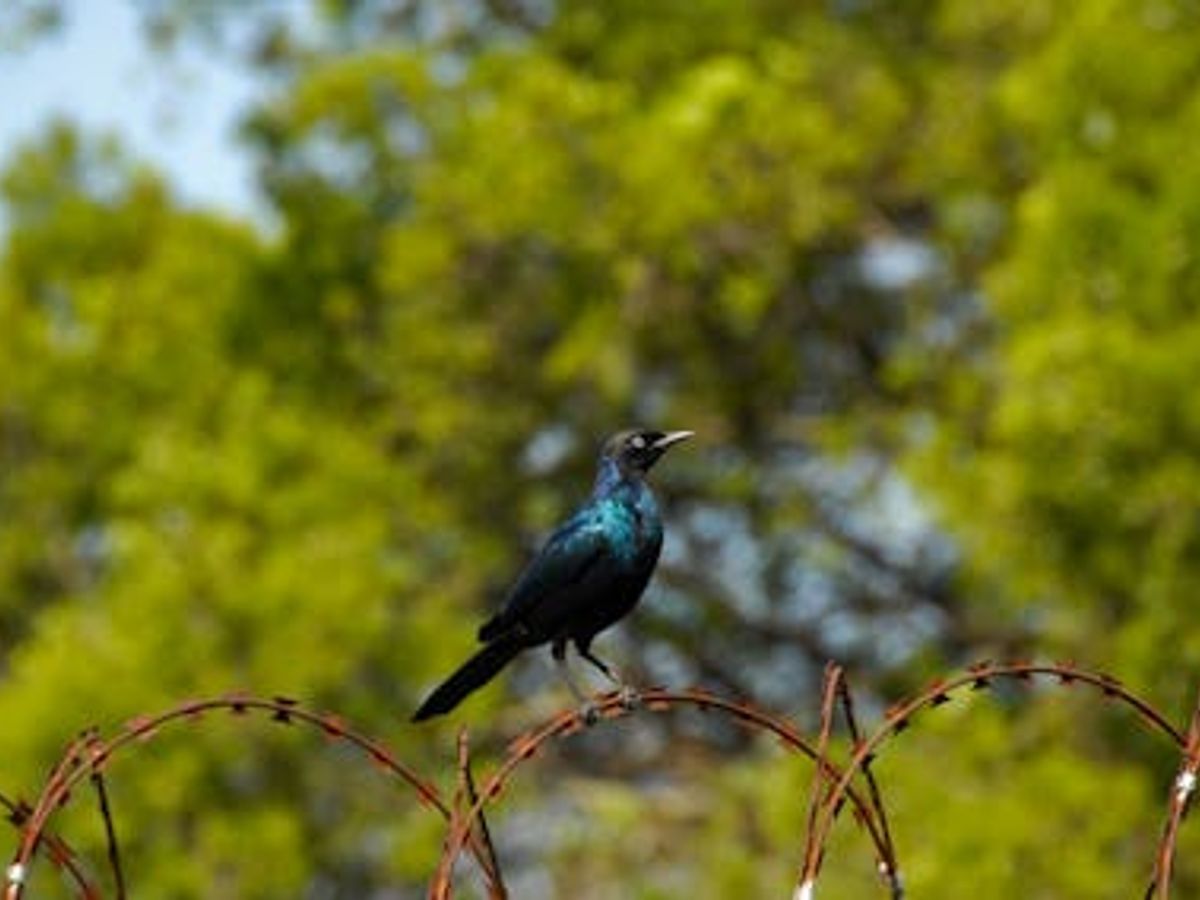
{"x": 603, "y": 602}
{"x": 611, "y": 587}
{"x": 607, "y": 592}
{"x": 605, "y": 609}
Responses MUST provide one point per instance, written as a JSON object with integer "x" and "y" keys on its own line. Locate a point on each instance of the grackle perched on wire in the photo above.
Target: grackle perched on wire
{"x": 590, "y": 573}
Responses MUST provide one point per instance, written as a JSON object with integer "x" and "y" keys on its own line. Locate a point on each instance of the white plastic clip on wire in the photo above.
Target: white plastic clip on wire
{"x": 892, "y": 878}
{"x": 16, "y": 874}
{"x": 1185, "y": 784}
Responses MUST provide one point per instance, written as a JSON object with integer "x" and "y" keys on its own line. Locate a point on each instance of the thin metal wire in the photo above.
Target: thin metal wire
{"x": 468, "y": 796}
{"x": 1182, "y": 790}
{"x": 60, "y": 851}
{"x": 110, "y": 829}
{"x": 829, "y": 694}
{"x": 889, "y": 866}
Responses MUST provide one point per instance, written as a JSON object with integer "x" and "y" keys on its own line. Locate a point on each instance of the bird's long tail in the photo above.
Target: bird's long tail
{"x": 474, "y": 673}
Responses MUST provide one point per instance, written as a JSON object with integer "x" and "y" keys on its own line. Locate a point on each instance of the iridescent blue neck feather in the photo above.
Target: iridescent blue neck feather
{"x": 608, "y": 477}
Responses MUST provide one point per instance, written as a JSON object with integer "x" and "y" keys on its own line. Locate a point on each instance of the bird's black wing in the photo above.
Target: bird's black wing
{"x": 571, "y": 554}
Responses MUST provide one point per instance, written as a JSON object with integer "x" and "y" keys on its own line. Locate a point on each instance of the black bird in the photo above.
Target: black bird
{"x": 590, "y": 573}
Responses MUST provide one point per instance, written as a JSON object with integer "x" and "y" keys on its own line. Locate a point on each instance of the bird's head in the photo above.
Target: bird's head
{"x": 636, "y": 450}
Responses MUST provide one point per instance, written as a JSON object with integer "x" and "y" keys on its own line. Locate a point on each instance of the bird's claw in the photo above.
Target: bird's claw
{"x": 629, "y": 697}
{"x": 589, "y": 713}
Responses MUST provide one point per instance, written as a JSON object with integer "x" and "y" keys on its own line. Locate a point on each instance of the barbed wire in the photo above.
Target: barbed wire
{"x": 61, "y": 853}
{"x": 872, "y": 812}
{"x": 89, "y": 754}
{"x": 976, "y": 677}
{"x": 836, "y": 692}
{"x": 1182, "y": 789}
{"x": 467, "y": 828}
{"x": 615, "y": 705}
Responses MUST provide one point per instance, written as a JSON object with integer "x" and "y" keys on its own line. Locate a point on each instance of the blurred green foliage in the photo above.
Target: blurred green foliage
{"x": 923, "y": 277}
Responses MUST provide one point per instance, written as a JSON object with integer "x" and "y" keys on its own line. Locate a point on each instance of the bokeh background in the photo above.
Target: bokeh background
{"x": 314, "y": 313}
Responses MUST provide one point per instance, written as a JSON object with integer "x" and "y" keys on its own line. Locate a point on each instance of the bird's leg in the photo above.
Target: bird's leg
{"x": 587, "y": 709}
{"x": 629, "y": 695}
{"x": 601, "y": 665}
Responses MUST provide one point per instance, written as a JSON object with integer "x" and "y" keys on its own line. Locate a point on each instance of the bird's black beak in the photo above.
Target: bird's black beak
{"x": 670, "y": 439}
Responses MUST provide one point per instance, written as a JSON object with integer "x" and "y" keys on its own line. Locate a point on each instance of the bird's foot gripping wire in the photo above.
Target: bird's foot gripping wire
{"x": 589, "y": 713}
{"x": 630, "y": 697}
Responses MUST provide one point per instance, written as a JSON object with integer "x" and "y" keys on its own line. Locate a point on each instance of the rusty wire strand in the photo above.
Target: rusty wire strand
{"x": 466, "y": 795}
{"x": 889, "y": 865}
{"x": 980, "y": 675}
{"x": 829, "y": 693}
{"x": 1182, "y": 789}
{"x": 59, "y": 783}
{"x": 60, "y": 851}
